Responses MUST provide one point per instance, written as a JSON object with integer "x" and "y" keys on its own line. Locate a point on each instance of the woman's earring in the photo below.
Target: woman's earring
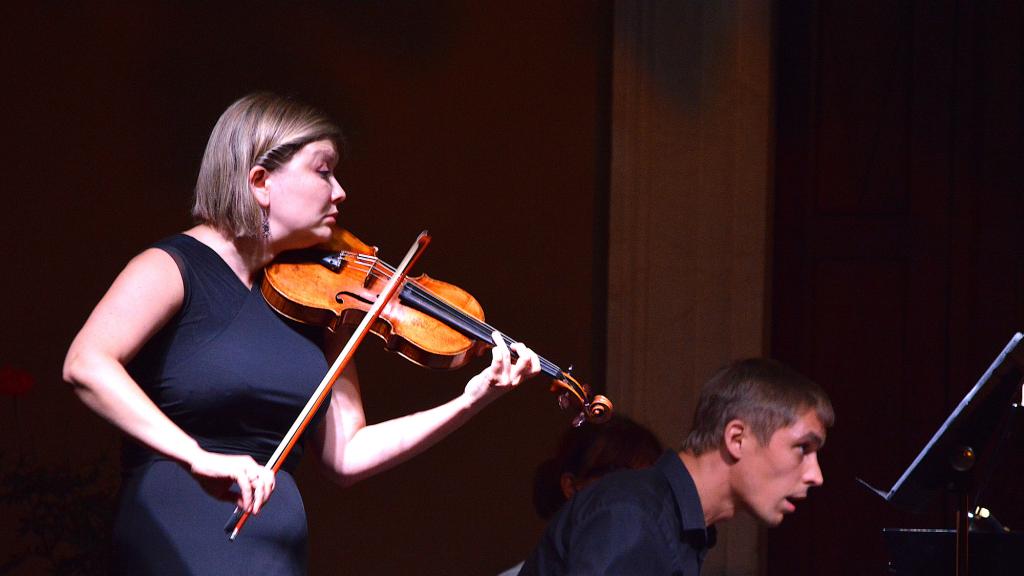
{"x": 266, "y": 223}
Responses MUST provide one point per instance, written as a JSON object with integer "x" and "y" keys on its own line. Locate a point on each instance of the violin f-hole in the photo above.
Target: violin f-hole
{"x": 340, "y": 297}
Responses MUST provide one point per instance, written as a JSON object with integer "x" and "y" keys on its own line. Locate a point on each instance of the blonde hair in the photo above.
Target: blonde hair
{"x": 259, "y": 129}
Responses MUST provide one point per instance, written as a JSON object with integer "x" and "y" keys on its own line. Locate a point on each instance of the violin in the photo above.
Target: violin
{"x": 432, "y": 323}
{"x": 429, "y": 322}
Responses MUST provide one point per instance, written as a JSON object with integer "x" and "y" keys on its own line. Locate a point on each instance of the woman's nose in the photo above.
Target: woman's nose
{"x": 338, "y": 194}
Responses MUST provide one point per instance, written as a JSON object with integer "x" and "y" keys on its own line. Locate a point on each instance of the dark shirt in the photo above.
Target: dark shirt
{"x": 232, "y": 374}
{"x": 630, "y": 522}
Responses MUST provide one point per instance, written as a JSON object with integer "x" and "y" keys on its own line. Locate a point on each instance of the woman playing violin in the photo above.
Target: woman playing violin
{"x": 185, "y": 357}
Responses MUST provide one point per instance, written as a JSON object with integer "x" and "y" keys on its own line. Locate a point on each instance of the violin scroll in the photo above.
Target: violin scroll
{"x": 600, "y": 409}
{"x": 594, "y": 408}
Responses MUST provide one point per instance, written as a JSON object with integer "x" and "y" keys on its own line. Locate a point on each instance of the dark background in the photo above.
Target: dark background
{"x": 898, "y": 266}
{"x": 484, "y": 124}
{"x": 896, "y": 269}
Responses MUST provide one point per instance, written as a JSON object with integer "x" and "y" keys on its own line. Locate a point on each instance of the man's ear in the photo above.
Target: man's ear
{"x": 259, "y": 185}
{"x": 735, "y": 436}
{"x": 567, "y": 482}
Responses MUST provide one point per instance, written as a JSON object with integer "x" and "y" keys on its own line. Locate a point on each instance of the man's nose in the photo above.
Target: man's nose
{"x": 813, "y": 475}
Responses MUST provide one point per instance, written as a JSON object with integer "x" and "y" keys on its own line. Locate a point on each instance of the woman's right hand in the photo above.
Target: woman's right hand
{"x": 217, "y": 473}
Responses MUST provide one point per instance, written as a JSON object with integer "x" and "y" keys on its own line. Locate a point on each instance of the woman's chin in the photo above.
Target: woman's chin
{"x": 324, "y": 233}
{"x": 304, "y": 239}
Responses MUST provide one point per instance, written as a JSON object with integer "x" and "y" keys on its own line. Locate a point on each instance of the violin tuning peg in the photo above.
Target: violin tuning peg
{"x": 579, "y": 420}
{"x": 563, "y": 400}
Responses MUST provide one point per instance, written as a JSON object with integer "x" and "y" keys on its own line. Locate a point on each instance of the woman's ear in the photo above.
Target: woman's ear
{"x": 734, "y": 436}
{"x": 259, "y": 181}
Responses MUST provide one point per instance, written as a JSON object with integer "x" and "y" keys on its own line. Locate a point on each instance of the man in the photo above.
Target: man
{"x": 754, "y": 445}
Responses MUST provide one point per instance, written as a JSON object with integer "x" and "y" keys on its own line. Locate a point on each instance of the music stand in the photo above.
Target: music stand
{"x": 950, "y": 460}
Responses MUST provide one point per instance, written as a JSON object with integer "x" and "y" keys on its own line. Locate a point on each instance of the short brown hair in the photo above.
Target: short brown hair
{"x": 259, "y": 129}
{"x": 763, "y": 393}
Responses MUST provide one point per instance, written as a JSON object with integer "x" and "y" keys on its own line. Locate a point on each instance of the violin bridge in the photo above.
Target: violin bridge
{"x": 370, "y": 274}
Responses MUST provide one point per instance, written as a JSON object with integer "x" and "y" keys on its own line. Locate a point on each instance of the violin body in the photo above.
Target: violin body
{"x": 430, "y": 322}
{"x": 298, "y": 285}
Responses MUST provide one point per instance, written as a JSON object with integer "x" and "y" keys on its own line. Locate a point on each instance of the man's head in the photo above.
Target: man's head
{"x": 767, "y": 422}
{"x": 586, "y": 454}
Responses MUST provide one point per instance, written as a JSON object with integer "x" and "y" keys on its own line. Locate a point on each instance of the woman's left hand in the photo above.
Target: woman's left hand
{"x": 503, "y": 374}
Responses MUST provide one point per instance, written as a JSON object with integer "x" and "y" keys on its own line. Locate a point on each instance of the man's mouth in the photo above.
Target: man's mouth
{"x": 791, "y": 501}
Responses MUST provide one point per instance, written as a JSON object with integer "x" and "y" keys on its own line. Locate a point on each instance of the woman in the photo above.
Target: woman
{"x": 184, "y": 356}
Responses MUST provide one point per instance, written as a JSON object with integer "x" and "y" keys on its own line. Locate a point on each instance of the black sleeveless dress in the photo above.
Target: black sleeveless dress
{"x": 233, "y": 375}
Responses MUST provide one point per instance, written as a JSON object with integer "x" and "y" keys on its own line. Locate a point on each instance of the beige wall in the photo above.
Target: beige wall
{"x": 691, "y": 129}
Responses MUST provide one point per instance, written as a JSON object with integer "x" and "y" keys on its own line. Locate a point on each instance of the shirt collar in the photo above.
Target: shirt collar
{"x": 688, "y": 507}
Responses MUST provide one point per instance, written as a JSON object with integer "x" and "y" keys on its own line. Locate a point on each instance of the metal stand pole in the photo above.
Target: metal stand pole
{"x": 963, "y": 532}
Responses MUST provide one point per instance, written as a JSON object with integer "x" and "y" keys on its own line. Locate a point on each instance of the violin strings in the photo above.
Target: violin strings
{"x": 369, "y": 265}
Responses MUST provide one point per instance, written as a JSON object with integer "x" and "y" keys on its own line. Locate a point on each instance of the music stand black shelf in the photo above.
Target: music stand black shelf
{"x": 933, "y": 552}
{"x": 958, "y": 455}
